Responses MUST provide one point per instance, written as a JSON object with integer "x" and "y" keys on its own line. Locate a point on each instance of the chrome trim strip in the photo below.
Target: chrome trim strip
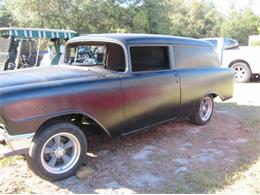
{"x": 19, "y": 137}
{"x": 18, "y": 142}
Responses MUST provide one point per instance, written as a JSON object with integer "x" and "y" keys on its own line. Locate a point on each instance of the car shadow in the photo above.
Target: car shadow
{"x": 176, "y": 157}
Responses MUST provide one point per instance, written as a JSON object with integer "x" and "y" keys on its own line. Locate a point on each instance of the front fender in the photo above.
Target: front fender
{"x": 32, "y": 124}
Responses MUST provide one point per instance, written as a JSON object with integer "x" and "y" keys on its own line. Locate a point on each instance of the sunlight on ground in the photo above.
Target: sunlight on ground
{"x": 115, "y": 190}
{"x": 246, "y": 182}
{"x": 245, "y": 95}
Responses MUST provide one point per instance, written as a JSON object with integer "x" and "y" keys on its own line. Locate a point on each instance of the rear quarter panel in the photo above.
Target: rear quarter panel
{"x": 199, "y": 82}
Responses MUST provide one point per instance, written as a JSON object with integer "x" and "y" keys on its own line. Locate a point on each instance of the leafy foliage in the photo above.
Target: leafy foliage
{"x": 5, "y": 17}
{"x": 194, "y": 18}
{"x": 240, "y": 25}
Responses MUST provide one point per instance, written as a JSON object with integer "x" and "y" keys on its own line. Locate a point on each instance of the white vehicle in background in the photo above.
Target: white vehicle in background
{"x": 245, "y": 60}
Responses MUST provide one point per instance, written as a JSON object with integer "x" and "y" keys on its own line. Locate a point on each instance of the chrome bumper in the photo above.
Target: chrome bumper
{"x": 18, "y": 144}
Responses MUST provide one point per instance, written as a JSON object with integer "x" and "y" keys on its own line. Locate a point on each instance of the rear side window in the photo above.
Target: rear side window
{"x": 148, "y": 58}
{"x": 214, "y": 42}
{"x": 194, "y": 57}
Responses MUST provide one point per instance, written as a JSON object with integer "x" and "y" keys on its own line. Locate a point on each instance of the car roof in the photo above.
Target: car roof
{"x": 131, "y": 38}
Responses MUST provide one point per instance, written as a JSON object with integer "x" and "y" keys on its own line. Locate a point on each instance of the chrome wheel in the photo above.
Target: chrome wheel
{"x": 206, "y": 108}
{"x": 60, "y": 153}
{"x": 242, "y": 72}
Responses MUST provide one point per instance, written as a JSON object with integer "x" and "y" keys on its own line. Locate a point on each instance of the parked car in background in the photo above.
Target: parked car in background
{"x": 245, "y": 60}
{"x": 30, "y": 47}
{"x": 137, "y": 81}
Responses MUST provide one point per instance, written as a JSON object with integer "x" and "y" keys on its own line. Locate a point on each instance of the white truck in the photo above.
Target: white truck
{"x": 245, "y": 60}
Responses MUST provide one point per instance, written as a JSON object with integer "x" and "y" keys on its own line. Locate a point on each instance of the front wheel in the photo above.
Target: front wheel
{"x": 58, "y": 151}
{"x": 204, "y": 111}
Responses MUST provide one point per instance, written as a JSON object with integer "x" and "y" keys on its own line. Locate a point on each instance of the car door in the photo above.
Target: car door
{"x": 151, "y": 93}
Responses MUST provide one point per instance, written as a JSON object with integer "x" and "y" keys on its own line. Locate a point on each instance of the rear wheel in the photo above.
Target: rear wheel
{"x": 242, "y": 72}
{"x": 58, "y": 151}
{"x": 204, "y": 111}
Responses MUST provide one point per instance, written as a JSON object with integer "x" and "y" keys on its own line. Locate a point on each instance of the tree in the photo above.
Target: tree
{"x": 191, "y": 18}
{"x": 157, "y": 16}
{"x": 82, "y": 16}
{"x": 195, "y": 18}
{"x": 240, "y": 25}
{"x": 5, "y": 17}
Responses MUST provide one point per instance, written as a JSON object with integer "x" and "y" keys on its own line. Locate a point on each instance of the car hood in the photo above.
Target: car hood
{"x": 46, "y": 75}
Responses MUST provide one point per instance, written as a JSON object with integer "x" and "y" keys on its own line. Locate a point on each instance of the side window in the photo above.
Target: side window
{"x": 110, "y": 56}
{"x": 147, "y": 58}
{"x": 214, "y": 42}
{"x": 86, "y": 54}
{"x": 228, "y": 43}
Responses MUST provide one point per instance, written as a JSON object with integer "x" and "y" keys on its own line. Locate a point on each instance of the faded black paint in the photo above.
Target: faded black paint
{"x": 120, "y": 102}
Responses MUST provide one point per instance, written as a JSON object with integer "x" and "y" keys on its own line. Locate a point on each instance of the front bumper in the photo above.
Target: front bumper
{"x": 18, "y": 144}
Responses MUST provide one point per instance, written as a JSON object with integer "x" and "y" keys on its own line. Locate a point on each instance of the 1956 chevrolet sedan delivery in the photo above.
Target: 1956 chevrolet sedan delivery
{"x": 122, "y": 83}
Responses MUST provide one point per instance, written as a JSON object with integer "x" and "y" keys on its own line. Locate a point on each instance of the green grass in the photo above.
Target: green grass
{"x": 205, "y": 181}
{"x": 197, "y": 181}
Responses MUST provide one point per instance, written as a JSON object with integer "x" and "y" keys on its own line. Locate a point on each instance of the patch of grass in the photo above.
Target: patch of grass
{"x": 205, "y": 181}
{"x": 167, "y": 189}
{"x": 244, "y": 177}
{"x": 178, "y": 187}
{"x": 182, "y": 188}
{"x": 214, "y": 180}
{"x": 233, "y": 177}
{"x": 9, "y": 160}
{"x": 198, "y": 181}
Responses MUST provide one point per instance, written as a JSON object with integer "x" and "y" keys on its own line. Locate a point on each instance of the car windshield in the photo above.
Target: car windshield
{"x": 85, "y": 55}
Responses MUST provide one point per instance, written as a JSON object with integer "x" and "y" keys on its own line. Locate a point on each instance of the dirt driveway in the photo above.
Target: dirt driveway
{"x": 177, "y": 157}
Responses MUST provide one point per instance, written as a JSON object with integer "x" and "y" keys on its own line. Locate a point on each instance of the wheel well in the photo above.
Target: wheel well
{"x": 235, "y": 61}
{"x": 214, "y": 95}
{"x": 76, "y": 119}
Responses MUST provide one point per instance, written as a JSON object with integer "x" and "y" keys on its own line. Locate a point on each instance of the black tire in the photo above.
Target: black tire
{"x": 242, "y": 72}
{"x": 36, "y": 157}
{"x": 197, "y": 118}
{"x": 255, "y": 77}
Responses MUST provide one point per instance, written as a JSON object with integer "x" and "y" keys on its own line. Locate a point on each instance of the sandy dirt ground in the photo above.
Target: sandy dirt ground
{"x": 177, "y": 157}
